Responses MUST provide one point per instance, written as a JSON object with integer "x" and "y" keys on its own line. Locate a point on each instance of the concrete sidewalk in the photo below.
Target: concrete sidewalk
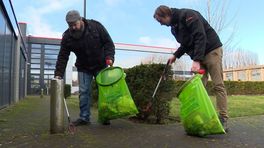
{"x": 27, "y": 125}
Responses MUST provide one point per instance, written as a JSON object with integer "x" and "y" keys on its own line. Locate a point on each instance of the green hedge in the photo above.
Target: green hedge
{"x": 142, "y": 80}
{"x": 233, "y": 87}
{"x": 240, "y": 88}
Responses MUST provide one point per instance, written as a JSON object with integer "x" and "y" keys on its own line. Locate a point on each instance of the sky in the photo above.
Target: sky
{"x": 132, "y": 22}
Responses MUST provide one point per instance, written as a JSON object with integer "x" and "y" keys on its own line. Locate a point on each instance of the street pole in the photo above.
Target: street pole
{"x": 84, "y": 9}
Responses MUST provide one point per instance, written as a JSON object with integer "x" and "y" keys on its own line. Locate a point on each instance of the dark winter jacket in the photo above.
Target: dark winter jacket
{"x": 91, "y": 49}
{"x": 193, "y": 32}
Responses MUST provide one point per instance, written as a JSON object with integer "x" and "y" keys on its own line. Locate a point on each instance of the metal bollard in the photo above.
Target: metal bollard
{"x": 41, "y": 93}
{"x": 56, "y": 106}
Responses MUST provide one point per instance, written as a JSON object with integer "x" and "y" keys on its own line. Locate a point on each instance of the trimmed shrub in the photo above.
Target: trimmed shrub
{"x": 142, "y": 80}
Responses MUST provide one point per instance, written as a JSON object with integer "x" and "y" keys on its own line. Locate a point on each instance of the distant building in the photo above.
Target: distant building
{"x": 13, "y": 57}
{"x": 182, "y": 75}
{"x": 43, "y": 54}
{"x": 251, "y": 73}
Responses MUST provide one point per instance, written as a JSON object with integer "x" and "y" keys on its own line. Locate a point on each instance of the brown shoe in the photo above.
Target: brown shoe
{"x": 224, "y": 124}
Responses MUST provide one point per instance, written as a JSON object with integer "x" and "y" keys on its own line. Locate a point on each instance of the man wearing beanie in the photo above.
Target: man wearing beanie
{"x": 200, "y": 41}
{"x": 94, "y": 49}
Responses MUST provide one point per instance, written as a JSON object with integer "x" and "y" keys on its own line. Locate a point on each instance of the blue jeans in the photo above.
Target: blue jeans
{"x": 85, "y": 90}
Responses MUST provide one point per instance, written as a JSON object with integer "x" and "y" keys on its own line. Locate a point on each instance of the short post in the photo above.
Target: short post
{"x": 56, "y": 106}
{"x": 41, "y": 93}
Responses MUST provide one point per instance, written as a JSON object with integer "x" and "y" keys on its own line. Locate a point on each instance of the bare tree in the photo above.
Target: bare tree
{"x": 217, "y": 16}
{"x": 240, "y": 58}
{"x": 182, "y": 64}
{"x": 154, "y": 59}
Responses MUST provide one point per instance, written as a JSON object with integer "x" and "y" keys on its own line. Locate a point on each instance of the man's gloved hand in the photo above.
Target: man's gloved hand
{"x": 172, "y": 59}
{"x": 196, "y": 66}
{"x": 57, "y": 77}
{"x": 109, "y": 62}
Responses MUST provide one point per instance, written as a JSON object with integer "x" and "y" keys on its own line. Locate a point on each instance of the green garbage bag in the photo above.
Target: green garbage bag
{"x": 197, "y": 112}
{"x": 115, "y": 100}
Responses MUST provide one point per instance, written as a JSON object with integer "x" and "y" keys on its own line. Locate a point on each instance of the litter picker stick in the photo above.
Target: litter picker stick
{"x": 71, "y": 127}
{"x": 149, "y": 105}
{"x": 66, "y": 108}
{"x": 163, "y": 74}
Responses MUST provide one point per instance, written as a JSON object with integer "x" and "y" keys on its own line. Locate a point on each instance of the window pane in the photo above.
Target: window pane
{"x": 34, "y": 85}
{"x": 51, "y": 56}
{"x": 256, "y": 75}
{"x": 50, "y": 62}
{"x": 36, "y": 46}
{"x": 48, "y": 77}
{"x": 35, "y": 60}
{"x": 52, "y": 46}
{"x": 33, "y": 81}
{"x": 48, "y": 71}
{"x": 35, "y": 89}
{"x": 6, "y": 47}
{"x": 34, "y": 76}
{"x": 229, "y": 76}
{"x": 35, "y": 55}
{"x": 34, "y": 50}
{"x": 56, "y": 52}
{"x": 48, "y": 65}
{"x": 35, "y": 65}
{"x": 242, "y": 75}
{"x": 35, "y": 71}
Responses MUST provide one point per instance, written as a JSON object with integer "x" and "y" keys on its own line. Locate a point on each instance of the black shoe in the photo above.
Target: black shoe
{"x": 224, "y": 124}
{"x": 80, "y": 122}
{"x": 106, "y": 122}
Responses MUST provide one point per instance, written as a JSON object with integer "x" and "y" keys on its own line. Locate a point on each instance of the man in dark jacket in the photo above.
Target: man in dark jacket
{"x": 94, "y": 49}
{"x": 200, "y": 41}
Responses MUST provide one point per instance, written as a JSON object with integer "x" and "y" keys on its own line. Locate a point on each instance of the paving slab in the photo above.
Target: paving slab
{"x": 27, "y": 125}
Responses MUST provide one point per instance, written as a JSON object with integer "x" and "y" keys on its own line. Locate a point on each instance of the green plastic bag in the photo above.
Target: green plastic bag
{"x": 197, "y": 112}
{"x": 115, "y": 100}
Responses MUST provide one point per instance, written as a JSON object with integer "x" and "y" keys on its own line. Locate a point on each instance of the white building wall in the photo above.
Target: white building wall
{"x": 68, "y": 72}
